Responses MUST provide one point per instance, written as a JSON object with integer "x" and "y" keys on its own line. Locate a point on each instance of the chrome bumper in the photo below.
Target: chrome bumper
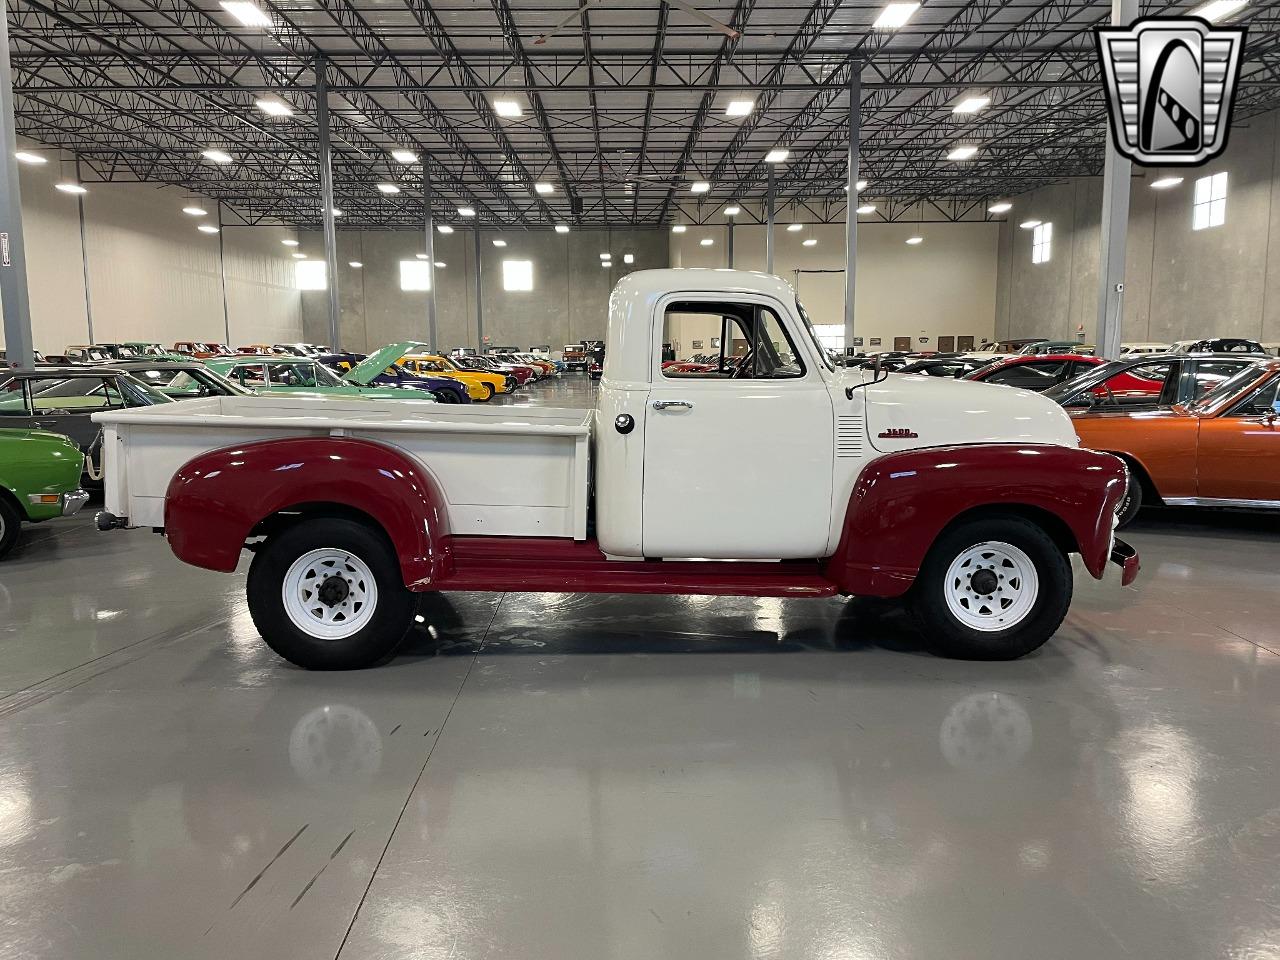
{"x": 1126, "y": 558}
{"x": 73, "y": 501}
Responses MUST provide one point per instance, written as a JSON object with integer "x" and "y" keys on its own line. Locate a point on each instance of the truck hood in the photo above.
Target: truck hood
{"x": 372, "y": 366}
{"x": 908, "y": 411}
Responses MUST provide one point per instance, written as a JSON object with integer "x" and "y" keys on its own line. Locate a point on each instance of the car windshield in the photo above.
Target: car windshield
{"x": 1229, "y": 387}
{"x": 813, "y": 335}
{"x": 1063, "y": 392}
{"x": 303, "y": 375}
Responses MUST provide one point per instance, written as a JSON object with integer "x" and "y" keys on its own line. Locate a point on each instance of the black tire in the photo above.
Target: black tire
{"x": 950, "y": 635}
{"x": 1131, "y": 502}
{"x": 10, "y": 524}
{"x": 446, "y": 396}
{"x": 375, "y": 642}
{"x": 488, "y": 391}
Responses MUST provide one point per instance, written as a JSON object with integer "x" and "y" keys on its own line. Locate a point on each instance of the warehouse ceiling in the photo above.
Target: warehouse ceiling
{"x": 622, "y": 104}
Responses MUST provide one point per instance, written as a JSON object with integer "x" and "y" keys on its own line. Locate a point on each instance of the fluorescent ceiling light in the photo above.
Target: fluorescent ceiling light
{"x": 68, "y": 187}
{"x": 466, "y": 211}
{"x": 249, "y": 14}
{"x": 207, "y": 228}
{"x": 628, "y": 258}
{"x": 867, "y": 208}
{"x": 336, "y": 212}
{"x": 606, "y": 256}
{"x": 445, "y": 228}
{"x": 732, "y": 211}
{"x": 508, "y": 108}
{"x": 962, "y": 153}
{"x": 794, "y": 227}
{"x": 440, "y": 264}
{"x": 1215, "y": 11}
{"x": 739, "y": 108}
{"x": 1029, "y": 224}
{"x": 860, "y": 185}
{"x": 388, "y": 188}
{"x": 421, "y": 256}
{"x": 404, "y": 156}
{"x": 217, "y": 156}
{"x": 499, "y": 243}
{"x": 194, "y": 211}
{"x": 562, "y": 228}
{"x": 679, "y": 228}
{"x": 28, "y": 157}
{"x": 895, "y": 15}
{"x": 273, "y": 106}
{"x": 606, "y": 263}
{"x": 706, "y": 241}
{"x": 543, "y": 189}
{"x": 355, "y": 264}
{"x": 971, "y": 104}
{"x": 1004, "y": 206}
{"x": 700, "y": 186}
{"x": 810, "y": 242}
{"x": 915, "y": 240}
{"x": 290, "y": 243}
{"x": 1164, "y": 183}
{"x": 299, "y": 256}
{"x": 777, "y": 155}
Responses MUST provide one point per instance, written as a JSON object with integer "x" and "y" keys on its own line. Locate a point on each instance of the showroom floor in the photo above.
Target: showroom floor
{"x": 568, "y": 777}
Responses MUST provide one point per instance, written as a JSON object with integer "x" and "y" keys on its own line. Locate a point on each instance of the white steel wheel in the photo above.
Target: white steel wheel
{"x": 991, "y": 586}
{"x": 329, "y": 593}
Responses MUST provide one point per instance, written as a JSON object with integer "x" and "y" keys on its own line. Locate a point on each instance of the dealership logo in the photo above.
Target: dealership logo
{"x": 1170, "y": 85}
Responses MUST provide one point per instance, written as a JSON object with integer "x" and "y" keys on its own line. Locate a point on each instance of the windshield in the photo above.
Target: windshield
{"x": 1230, "y": 387}
{"x": 813, "y": 336}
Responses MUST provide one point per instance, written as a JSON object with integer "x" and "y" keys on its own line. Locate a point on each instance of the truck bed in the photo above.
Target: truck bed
{"x": 505, "y": 471}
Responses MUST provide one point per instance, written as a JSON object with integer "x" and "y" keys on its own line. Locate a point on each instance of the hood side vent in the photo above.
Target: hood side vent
{"x": 850, "y": 436}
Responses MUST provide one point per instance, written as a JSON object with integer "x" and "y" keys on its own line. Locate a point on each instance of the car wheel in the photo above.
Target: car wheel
{"x": 327, "y": 594}
{"x": 444, "y": 396}
{"x": 991, "y": 589}
{"x": 10, "y": 523}
{"x": 1131, "y": 502}
{"x": 488, "y": 391}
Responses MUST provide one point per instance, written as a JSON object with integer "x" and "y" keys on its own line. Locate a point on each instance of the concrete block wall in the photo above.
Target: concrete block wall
{"x": 1179, "y": 283}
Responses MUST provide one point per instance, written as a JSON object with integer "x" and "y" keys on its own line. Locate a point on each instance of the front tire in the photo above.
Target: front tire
{"x": 991, "y": 589}
{"x": 10, "y": 522}
{"x": 1131, "y": 503}
{"x": 327, "y": 594}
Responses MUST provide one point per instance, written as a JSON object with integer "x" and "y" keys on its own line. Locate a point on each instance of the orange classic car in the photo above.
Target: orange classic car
{"x": 1216, "y": 448}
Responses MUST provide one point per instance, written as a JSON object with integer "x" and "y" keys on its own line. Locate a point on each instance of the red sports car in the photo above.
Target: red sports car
{"x": 1039, "y": 373}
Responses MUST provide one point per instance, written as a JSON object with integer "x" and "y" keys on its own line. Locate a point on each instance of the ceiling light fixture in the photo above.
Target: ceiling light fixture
{"x": 207, "y": 228}
{"x": 867, "y": 208}
{"x": 404, "y": 156}
{"x": 1164, "y": 183}
{"x": 445, "y": 228}
{"x": 739, "y": 108}
{"x": 499, "y": 243}
{"x": 965, "y": 152}
{"x": 562, "y": 228}
{"x": 421, "y": 256}
{"x": 249, "y": 14}
{"x": 508, "y": 109}
{"x": 273, "y": 106}
{"x": 777, "y": 155}
{"x": 606, "y": 256}
{"x": 388, "y": 188}
{"x": 1029, "y": 224}
{"x": 466, "y": 211}
{"x": 440, "y": 264}
{"x": 628, "y": 258}
{"x": 290, "y": 243}
{"x": 299, "y": 256}
{"x": 700, "y": 186}
{"x": 68, "y": 187}
{"x": 355, "y": 264}
{"x": 913, "y": 241}
{"x": 194, "y": 211}
{"x": 794, "y": 227}
{"x": 217, "y": 156}
{"x": 1215, "y": 11}
{"x": 706, "y": 241}
{"x": 895, "y": 15}
{"x": 971, "y": 104}
{"x": 810, "y": 242}
{"x": 1004, "y": 206}
{"x": 732, "y": 211}
{"x": 25, "y": 156}
{"x": 679, "y": 228}
{"x": 542, "y": 189}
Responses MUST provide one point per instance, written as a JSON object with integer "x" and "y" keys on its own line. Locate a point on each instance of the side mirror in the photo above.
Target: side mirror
{"x": 878, "y": 373}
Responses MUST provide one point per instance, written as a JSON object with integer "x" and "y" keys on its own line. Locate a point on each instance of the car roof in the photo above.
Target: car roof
{"x": 69, "y": 370}
{"x": 157, "y": 363}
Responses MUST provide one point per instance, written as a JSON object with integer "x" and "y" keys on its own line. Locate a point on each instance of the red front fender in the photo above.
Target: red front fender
{"x": 901, "y": 502}
{"x": 215, "y": 501}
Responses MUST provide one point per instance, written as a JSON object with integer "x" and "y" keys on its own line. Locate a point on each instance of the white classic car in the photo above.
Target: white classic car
{"x": 775, "y": 475}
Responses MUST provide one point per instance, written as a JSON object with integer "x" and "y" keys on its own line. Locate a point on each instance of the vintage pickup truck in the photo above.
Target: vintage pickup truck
{"x": 781, "y": 476}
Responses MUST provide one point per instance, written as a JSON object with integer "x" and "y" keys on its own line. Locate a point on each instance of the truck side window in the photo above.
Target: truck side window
{"x": 742, "y": 341}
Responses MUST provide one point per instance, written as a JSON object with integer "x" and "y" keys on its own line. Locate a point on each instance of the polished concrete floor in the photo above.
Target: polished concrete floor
{"x": 596, "y": 777}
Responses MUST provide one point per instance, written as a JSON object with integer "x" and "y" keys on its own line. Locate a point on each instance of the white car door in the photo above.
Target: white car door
{"x": 738, "y": 458}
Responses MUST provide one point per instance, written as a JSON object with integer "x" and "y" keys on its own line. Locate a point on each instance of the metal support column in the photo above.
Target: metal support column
{"x": 479, "y": 296}
{"x": 729, "y": 245}
{"x": 768, "y": 233}
{"x": 326, "y": 198}
{"x": 13, "y": 257}
{"x": 851, "y": 208}
{"x": 84, "y": 261}
{"x": 429, "y": 227}
{"x": 1115, "y": 225}
{"x": 222, "y": 276}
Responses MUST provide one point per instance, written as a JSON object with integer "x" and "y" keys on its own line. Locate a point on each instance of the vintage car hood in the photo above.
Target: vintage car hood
{"x": 364, "y": 372}
{"x": 907, "y": 411}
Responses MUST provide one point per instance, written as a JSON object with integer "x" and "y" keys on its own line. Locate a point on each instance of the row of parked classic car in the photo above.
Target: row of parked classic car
{"x": 49, "y": 445}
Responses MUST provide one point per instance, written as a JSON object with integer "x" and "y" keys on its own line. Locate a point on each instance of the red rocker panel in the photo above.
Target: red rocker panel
{"x": 215, "y": 500}
{"x": 902, "y": 501}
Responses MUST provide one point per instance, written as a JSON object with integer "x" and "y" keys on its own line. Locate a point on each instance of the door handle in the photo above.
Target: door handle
{"x": 664, "y": 404}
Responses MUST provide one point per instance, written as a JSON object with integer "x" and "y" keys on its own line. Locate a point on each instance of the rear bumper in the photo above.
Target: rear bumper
{"x": 1126, "y": 558}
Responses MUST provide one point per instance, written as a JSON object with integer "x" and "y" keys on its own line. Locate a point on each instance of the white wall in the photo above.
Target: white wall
{"x": 943, "y": 286}
{"x": 152, "y": 275}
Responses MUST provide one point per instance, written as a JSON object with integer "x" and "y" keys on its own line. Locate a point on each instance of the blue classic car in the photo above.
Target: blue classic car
{"x": 381, "y": 369}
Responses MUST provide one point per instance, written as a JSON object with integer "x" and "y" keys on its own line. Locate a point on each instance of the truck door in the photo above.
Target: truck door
{"x": 738, "y": 457}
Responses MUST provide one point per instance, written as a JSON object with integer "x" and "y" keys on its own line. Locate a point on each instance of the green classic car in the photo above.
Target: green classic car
{"x": 302, "y": 375}
{"x": 39, "y": 480}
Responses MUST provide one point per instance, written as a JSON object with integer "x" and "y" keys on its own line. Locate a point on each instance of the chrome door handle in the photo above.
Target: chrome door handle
{"x": 664, "y": 404}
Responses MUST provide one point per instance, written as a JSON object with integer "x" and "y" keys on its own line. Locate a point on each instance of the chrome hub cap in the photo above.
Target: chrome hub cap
{"x": 329, "y": 593}
{"x": 991, "y": 586}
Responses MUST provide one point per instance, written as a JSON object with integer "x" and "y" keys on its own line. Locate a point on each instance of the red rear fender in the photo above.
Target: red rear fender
{"x": 216, "y": 500}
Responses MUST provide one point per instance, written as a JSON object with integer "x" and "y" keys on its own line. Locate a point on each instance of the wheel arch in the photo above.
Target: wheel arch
{"x": 1150, "y": 493}
{"x": 11, "y": 498}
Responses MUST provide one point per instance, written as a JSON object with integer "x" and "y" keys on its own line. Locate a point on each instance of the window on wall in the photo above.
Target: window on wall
{"x": 517, "y": 275}
{"x": 830, "y": 335}
{"x": 309, "y": 274}
{"x": 1210, "y": 206}
{"x": 1041, "y": 243}
{"x": 415, "y": 275}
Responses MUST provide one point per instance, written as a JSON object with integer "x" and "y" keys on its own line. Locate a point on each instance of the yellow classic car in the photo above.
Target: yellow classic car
{"x": 480, "y": 384}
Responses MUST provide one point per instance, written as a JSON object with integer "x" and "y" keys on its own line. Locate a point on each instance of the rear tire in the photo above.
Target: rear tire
{"x": 991, "y": 589}
{"x": 10, "y": 524}
{"x": 327, "y": 594}
{"x": 445, "y": 396}
{"x": 1131, "y": 502}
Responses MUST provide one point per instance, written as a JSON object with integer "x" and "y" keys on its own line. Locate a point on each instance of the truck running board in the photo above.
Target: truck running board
{"x": 535, "y": 565}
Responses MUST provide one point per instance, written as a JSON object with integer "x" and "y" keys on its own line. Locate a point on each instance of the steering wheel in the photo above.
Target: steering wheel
{"x": 744, "y": 364}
